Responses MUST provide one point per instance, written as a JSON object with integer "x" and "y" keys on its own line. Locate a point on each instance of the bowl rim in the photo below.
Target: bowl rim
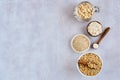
{"x": 88, "y": 53}
{"x": 90, "y": 23}
{"x": 74, "y": 38}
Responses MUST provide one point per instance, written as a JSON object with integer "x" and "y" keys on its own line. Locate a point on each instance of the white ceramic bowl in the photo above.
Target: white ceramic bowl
{"x": 84, "y": 74}
{"x": 74, "y": 38}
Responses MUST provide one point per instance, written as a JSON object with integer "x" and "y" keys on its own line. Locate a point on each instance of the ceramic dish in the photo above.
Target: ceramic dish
{"x": 78, "y": 45}
{"x": 79, "y": 67}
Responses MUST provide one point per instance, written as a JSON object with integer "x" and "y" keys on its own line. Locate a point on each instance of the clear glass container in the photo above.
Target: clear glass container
{"x": 84, "y": 11}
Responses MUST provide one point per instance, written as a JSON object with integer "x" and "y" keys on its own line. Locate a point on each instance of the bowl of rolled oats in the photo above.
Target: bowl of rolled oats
{"x": 80, "y": 43}
{"x": 89, "y": 64}
{"x": 84, "y": 11}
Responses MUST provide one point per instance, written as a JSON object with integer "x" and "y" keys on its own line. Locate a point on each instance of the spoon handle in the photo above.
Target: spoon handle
{"x": 88, "y": 64}
{"x": 103, "y": 35}
{"x": 82, "y": 62}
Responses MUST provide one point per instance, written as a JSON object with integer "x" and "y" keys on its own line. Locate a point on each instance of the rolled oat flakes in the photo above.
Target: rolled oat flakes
{"x": 93, "y": 66}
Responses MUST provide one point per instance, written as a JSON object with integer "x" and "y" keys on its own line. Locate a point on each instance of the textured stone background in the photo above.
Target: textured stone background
{"x": 35, "y": 40}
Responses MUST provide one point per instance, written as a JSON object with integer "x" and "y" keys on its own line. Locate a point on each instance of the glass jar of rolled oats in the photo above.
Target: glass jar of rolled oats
{"x": 84, "y": 11}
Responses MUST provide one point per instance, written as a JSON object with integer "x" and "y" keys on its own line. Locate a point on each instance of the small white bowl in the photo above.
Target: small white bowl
{"x": 74, "y": 38}
{"x": 84, "y": 74}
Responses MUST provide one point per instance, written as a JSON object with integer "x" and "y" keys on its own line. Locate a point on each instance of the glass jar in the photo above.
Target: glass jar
{"x": 84, "y": 11}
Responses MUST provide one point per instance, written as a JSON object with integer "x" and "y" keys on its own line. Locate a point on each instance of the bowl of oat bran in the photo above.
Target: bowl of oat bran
{"x": 80, "y": 43}
{"x": 89, "y": 64}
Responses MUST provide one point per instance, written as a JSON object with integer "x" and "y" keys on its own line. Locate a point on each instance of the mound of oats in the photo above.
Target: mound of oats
{"x": 93, "y": 66}
{"x": 85, "y": 10}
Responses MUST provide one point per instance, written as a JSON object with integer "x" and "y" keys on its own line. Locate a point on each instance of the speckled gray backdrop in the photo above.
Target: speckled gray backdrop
{"x": 35, "y": 40}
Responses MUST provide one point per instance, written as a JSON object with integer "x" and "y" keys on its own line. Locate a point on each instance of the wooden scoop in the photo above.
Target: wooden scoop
{"x": 87, "y": 64}
{"x": 82, "y": 62}
{"x": 96, "y": 45}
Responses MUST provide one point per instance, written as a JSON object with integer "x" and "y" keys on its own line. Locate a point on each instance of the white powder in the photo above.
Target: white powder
{"x": 95, "y": 46}
{"x": 94, "y": 28}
